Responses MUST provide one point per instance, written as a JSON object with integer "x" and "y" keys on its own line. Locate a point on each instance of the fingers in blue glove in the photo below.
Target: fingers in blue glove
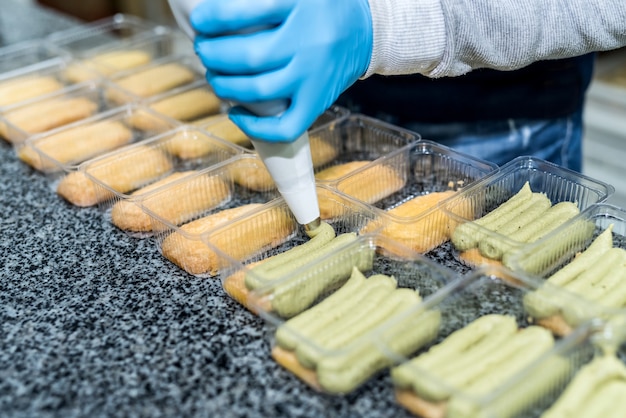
{"x": 244, "y": 54}
{"x": 317, "y": 50}
{"x": 215, "y": 17}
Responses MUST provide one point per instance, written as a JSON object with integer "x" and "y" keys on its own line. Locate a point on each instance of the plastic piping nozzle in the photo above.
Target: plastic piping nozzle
{"x": 291, "y": 167}
{"x": 289, "y": 164}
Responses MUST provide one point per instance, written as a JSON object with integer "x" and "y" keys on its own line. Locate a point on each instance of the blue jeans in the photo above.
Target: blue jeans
{"x": 555, "y": 140}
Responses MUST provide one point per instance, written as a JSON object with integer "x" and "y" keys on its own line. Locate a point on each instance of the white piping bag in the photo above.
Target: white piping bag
{"x": 289, "y": 164}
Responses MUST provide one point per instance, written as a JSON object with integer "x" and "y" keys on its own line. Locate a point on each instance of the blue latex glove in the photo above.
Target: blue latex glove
{"x": 306, "y": 52}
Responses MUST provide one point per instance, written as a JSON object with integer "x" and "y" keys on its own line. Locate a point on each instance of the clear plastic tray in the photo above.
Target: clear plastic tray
{"x": 62, "y": 150}
{"x": 557, "y": 183}
{"x": 356, "y": 138}
{"x": 35, "y": 83}
{"x": 192, "y": 198}
{"x": 54, "y": 110}
{"x": 140, "y": 83}
{"x": 127, "y": 55}
{"x": 550, "y": 254}
{"x": 85, "y": 39}
{"x": 192, "y": 104}
{"x": 116, "y": 175}
{"x": 260, "y": 229}
{"x": 27, "y": 56}
{"x": 525, "y": 392}
{"x": 219, "y": 125}
{"x": 350, "y": 139}
{"x": 430, "y": 171}
{"x": 312, "y": 283}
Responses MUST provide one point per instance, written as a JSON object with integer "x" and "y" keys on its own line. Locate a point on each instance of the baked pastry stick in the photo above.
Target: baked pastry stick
{"x": 126, "y": 171}
{"x": 106, "y": 64}
{"x": 369, "y": 185}
{"x": 173, "y": 206}
{"x": 183, "y": 107}
{"x": 27, "y": 87}
{"x": 76, "y": 145}
{"x": 151, "y": 81}
{"x": 222, "y": 127}
{"x": 421, "y": 234}
{"x": 46, "y": 115}
{"x": 186, "y": 249}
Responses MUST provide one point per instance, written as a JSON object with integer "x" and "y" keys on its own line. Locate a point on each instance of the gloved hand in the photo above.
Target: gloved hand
{"x": 306, "y": 52}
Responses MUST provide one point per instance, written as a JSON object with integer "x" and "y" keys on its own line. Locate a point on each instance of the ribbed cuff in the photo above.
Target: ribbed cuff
{"x": 409, "y": 36}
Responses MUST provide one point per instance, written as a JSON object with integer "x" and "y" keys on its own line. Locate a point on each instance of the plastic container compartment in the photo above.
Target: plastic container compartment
{"x": 474, "y": 244}
{"x": 355, "y": 138}
{"x": 27, "y": 56}
{"x": 192, "y": 198}
{"x": 157, "y": 77}
{"x": 429, "y": 171}
{"x": 151, "y": 163}
{"x": 37, "y": 82}
{"x": 352, "y": 138}
{"x": 84, "y": 39}
{"x": 550, "y": 254}
{"x": 289, "y": 301}
{"x": 192, "y": 103}
{"x": 240, "y": 231}
{"x": 526, "y": 392}
{"x": 129, "y": 54}
{"x": 54, "y": 110}
{"x": 62, "y": 150}
{"x": 219, "y": 125}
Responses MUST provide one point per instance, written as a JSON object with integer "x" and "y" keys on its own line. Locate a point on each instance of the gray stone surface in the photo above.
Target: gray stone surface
{"x": 96, "y": 323}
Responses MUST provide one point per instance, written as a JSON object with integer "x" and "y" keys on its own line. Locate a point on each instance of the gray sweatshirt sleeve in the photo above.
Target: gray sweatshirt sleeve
{"x": 440, "y": 38}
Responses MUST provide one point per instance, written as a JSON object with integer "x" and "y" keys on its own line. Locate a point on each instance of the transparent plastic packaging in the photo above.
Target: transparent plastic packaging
{"x": 221, "y": 126}
{"x": 194, "y": 104}
{"x": 180, "y": 212}
{"x": 153, "y": 162}
{"x": 295, "y": 303}
{"x": 238, "y": 231}
{"x": 357, "y": 139}
{"x": 37, "y": 82}
{"x": 27, "y": 56}
{"x": 156, "y": 77}
{"x": 586, "y": 258}
{"x": 128, "y": 54}
{"x": 54, "y": 110}
{"x": 62, "y": 150}
{"x": 431, "y": 174}
{"x": 104, "y": 33}
{"x": 541, "y": 196}
{"x": 346, "y": 144}
{"x": 524, "y": 382}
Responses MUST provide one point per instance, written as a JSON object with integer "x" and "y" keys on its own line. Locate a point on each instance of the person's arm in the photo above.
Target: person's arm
{"x": 307, "y": 52}
{"x": 451, "y": 37}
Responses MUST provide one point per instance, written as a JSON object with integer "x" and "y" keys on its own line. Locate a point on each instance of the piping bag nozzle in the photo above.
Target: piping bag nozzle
{"x": 291, "y": 167}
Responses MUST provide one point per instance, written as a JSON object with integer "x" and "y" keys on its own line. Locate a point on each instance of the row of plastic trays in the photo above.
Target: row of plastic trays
{"x": 73, "y": 74}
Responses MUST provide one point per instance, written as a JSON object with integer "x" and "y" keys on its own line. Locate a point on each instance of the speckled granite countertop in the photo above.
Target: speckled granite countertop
{"x": 95, "y": 323}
